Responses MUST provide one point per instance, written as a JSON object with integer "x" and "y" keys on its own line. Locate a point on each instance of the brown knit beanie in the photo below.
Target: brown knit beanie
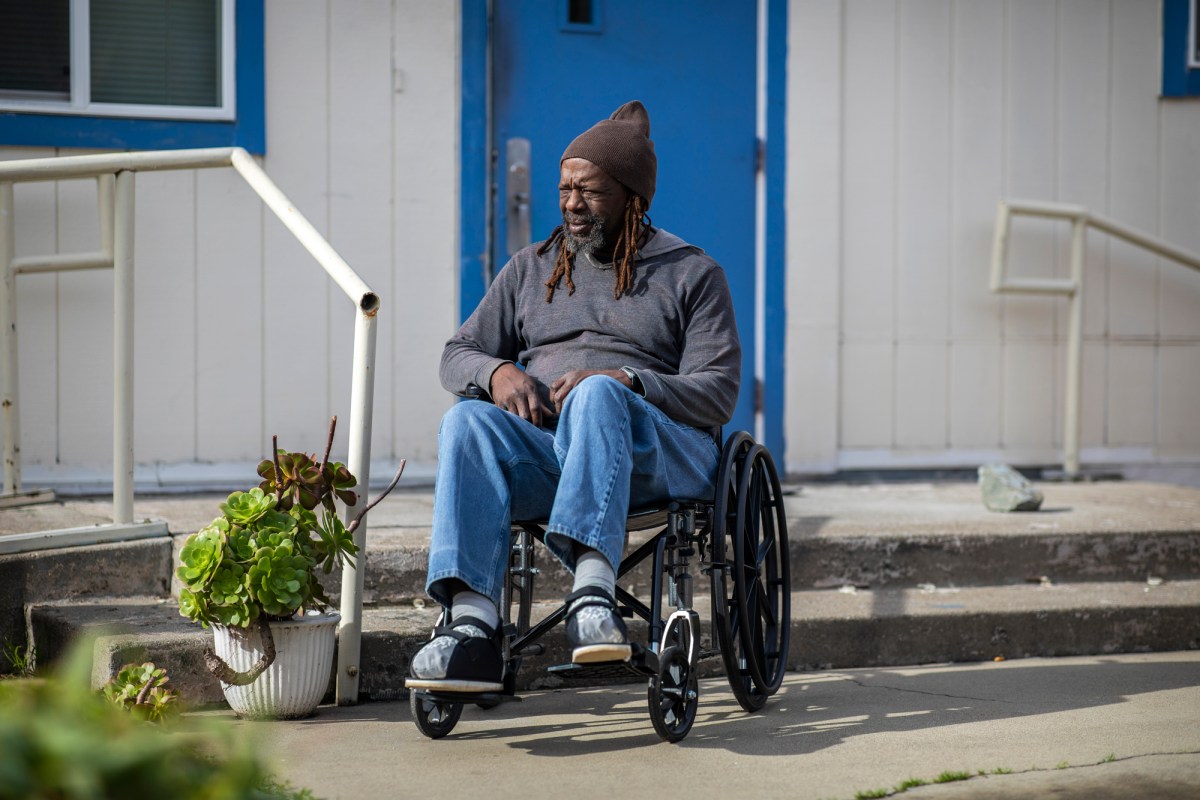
{"x": 621, "y": 146}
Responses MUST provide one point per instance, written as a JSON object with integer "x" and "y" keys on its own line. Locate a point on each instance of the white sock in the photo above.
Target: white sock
{"x": 472, "y": 604}
{"x": 592, "y": 569}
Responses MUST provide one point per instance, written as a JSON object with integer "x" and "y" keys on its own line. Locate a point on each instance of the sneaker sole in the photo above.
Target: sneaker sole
{"x": 446, "y": 685}
{"x": 598, "y": 653}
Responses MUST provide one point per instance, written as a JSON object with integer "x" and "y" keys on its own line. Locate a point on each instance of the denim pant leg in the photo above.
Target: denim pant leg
{"x": 608, "y": 437}
{"x": 493, "y": 467}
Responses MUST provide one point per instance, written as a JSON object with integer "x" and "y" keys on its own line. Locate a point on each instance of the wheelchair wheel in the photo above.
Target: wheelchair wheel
{"x": 433, "y": 718}
{"x": 761, "y": 572}
{"x": 673, "y": 695}
{"x": 751, "y": 600}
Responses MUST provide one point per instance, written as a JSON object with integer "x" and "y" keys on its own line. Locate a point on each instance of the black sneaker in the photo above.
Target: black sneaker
{"x": 594, "y": 628}
{"x": 464, "y": 656}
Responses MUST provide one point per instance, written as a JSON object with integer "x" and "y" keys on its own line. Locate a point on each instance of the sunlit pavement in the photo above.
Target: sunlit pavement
{"x": 1120, "y": 726}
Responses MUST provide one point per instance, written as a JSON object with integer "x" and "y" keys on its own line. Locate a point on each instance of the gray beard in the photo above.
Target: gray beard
{"x": 590, "y": 244}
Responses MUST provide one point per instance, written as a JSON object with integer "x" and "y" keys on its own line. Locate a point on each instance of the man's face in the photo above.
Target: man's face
{"x": 592, "y": 205}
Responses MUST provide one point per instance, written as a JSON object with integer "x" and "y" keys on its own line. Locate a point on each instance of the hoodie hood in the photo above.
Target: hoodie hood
{"x": 662, "y": 242}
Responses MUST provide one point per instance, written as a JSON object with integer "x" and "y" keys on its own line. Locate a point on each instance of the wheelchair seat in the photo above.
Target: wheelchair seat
{"x": 738, "y": 538}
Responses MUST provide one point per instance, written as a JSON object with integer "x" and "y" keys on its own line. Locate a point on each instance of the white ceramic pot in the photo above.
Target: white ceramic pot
{"x": 294, "y": 684}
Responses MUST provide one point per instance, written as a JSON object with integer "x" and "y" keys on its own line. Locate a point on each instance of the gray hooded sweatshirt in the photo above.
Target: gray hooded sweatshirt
{"x": 675, "y": 328}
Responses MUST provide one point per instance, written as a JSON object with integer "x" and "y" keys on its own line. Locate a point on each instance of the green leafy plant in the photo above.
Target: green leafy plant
{"x": 21, "y": 663}
{"x": 60, "y": 739}
{"x": 259, "y": 560}
{"x": 141, "y": 690}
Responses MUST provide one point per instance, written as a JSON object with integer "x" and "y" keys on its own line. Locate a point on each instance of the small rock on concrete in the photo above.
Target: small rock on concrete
{"x": 1005, "y": 489}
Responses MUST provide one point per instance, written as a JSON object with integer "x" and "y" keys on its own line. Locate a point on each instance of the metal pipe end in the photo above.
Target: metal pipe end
{"x": 369, "y": 303}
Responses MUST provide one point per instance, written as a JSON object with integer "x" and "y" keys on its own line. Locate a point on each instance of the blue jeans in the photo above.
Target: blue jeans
{"x": 611, "y": 450}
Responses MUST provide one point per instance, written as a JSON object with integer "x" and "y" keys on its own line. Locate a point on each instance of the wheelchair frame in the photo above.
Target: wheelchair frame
{"x": 741, "y": 540}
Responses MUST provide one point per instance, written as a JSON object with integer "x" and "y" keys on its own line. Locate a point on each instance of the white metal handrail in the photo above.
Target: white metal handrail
{"x": 1072, "y": 287}
{"x": 115, "y": 177}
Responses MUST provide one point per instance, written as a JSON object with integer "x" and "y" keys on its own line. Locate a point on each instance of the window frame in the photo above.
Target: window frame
{"x": 80, "y": 104}
{"x": 241, "y": 121}
{"x": 1181, "y": 51}
{"x": 1193, "y": 29}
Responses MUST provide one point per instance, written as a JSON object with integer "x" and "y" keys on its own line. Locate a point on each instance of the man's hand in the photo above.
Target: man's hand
{"x": 561, "y": 387}
{"x": 514, "y": 391}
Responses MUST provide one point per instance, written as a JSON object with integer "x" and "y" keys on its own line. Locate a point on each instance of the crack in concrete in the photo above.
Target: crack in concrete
{"x": 928, "y": 694}
{"x": 1032, "y": 770}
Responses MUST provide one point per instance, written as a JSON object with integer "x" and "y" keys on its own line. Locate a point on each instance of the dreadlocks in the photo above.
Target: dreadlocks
{"x": 624, "y": 251}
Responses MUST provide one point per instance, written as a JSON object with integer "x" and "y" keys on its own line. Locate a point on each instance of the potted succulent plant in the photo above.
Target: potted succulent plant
{"x": 253, "y": 575}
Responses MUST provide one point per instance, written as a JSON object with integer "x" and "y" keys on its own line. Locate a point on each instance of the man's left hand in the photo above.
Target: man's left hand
{"x": 561, "y": 387}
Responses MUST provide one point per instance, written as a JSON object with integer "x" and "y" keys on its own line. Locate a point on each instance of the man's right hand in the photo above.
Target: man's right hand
{"x": 514, "y": 391}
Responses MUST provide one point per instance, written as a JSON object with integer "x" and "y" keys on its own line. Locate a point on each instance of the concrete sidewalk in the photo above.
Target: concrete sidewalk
{"x": 1089, "y": 727}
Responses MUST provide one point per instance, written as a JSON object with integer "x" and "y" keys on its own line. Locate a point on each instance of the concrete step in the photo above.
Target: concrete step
{"x": 830, "y": 629}
{"x": 141, "y": 567}
{"x": 396, "y": 561}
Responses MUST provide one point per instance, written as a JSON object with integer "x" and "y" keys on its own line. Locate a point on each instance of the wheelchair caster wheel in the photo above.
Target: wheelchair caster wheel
{"x": 673, "y": 695}
{"x": 434, "y": 718}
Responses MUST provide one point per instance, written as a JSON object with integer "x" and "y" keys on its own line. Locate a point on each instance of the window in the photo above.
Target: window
{"x": 1181, "y": 48}
{"x": 132, "y": 74}
{"x": 580, "y": 16}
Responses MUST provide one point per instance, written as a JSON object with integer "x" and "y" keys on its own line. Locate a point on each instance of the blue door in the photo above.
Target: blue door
{"x": 559, "y": 66}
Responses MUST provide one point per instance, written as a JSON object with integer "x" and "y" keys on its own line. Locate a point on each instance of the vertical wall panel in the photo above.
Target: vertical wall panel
{"x": 869, "y": 172}
{"x": 85, "y": 319}
{"x": 164, "y": 391}
{"x": 814, "y": 256}
{"x": 923, "y": 168}
{"x": 867, "y": 396}
{"x": 978, "y": 166}
{"x": 977, "y": 183}
{"x": 1131, "y": 394}
{"x": 1031, "y": 139}
{"x": 1133, "y": 169}
{"x": 360, "y": 169}
{"x": 921, "y": 412}
{"x": 975, "y": 392}
{"x": 229, "y": 322}
{"x": 297, "y": 288}
{"x": 1083, "y": 58}
{"x": 420, "y": 313}
{"x": 37, "y": 317}
{"x": 1178, "y": 433}
{"x": 1029, "y": 377}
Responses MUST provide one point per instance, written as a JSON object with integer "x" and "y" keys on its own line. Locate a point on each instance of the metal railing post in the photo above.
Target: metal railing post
{"x": 1073, "y": 423}
{"x": 362, "y": 393}
{"x": 1072, "y": 288}
{"x": 123, "y": 349}
{"x": 10, "y": 429}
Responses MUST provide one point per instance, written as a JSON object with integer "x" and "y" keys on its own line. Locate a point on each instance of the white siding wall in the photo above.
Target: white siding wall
{"x": 239, "y": 333}
{"x": 908, "y": 120}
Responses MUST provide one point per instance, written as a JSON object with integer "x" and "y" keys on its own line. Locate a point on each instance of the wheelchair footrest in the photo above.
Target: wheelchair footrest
{"x": 642, "y": 664}
{"x": 488, "y": 698}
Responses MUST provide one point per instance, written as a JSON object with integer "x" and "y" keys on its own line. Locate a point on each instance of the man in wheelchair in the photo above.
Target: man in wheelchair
{"x": 629, "y": 363}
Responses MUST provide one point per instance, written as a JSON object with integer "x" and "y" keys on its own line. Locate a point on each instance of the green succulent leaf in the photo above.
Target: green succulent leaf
{"x": 243, "y": 508}
{"x": 202, "y": 554}
{"x": 279, "y": 578}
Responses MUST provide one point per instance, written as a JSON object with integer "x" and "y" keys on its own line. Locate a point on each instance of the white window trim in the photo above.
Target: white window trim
{"x": 1193, "y": 45}
{"x": 81, "y": 80}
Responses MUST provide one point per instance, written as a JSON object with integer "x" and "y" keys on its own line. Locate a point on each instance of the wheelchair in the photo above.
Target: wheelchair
{"x": 738, "y": 539}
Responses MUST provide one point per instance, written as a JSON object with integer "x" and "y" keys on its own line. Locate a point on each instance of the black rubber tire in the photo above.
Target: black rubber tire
{"x": 725, "y": 619}
{"x": 673, "y": 695}
{"x": 433, "y": 718}
{"x": 761, "y": 570}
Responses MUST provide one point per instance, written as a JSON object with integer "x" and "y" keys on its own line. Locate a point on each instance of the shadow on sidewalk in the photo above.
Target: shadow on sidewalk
{"x": 813, "y": 711}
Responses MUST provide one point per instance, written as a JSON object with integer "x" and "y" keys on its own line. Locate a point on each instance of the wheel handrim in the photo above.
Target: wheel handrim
{"x": 761, "y": 571}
